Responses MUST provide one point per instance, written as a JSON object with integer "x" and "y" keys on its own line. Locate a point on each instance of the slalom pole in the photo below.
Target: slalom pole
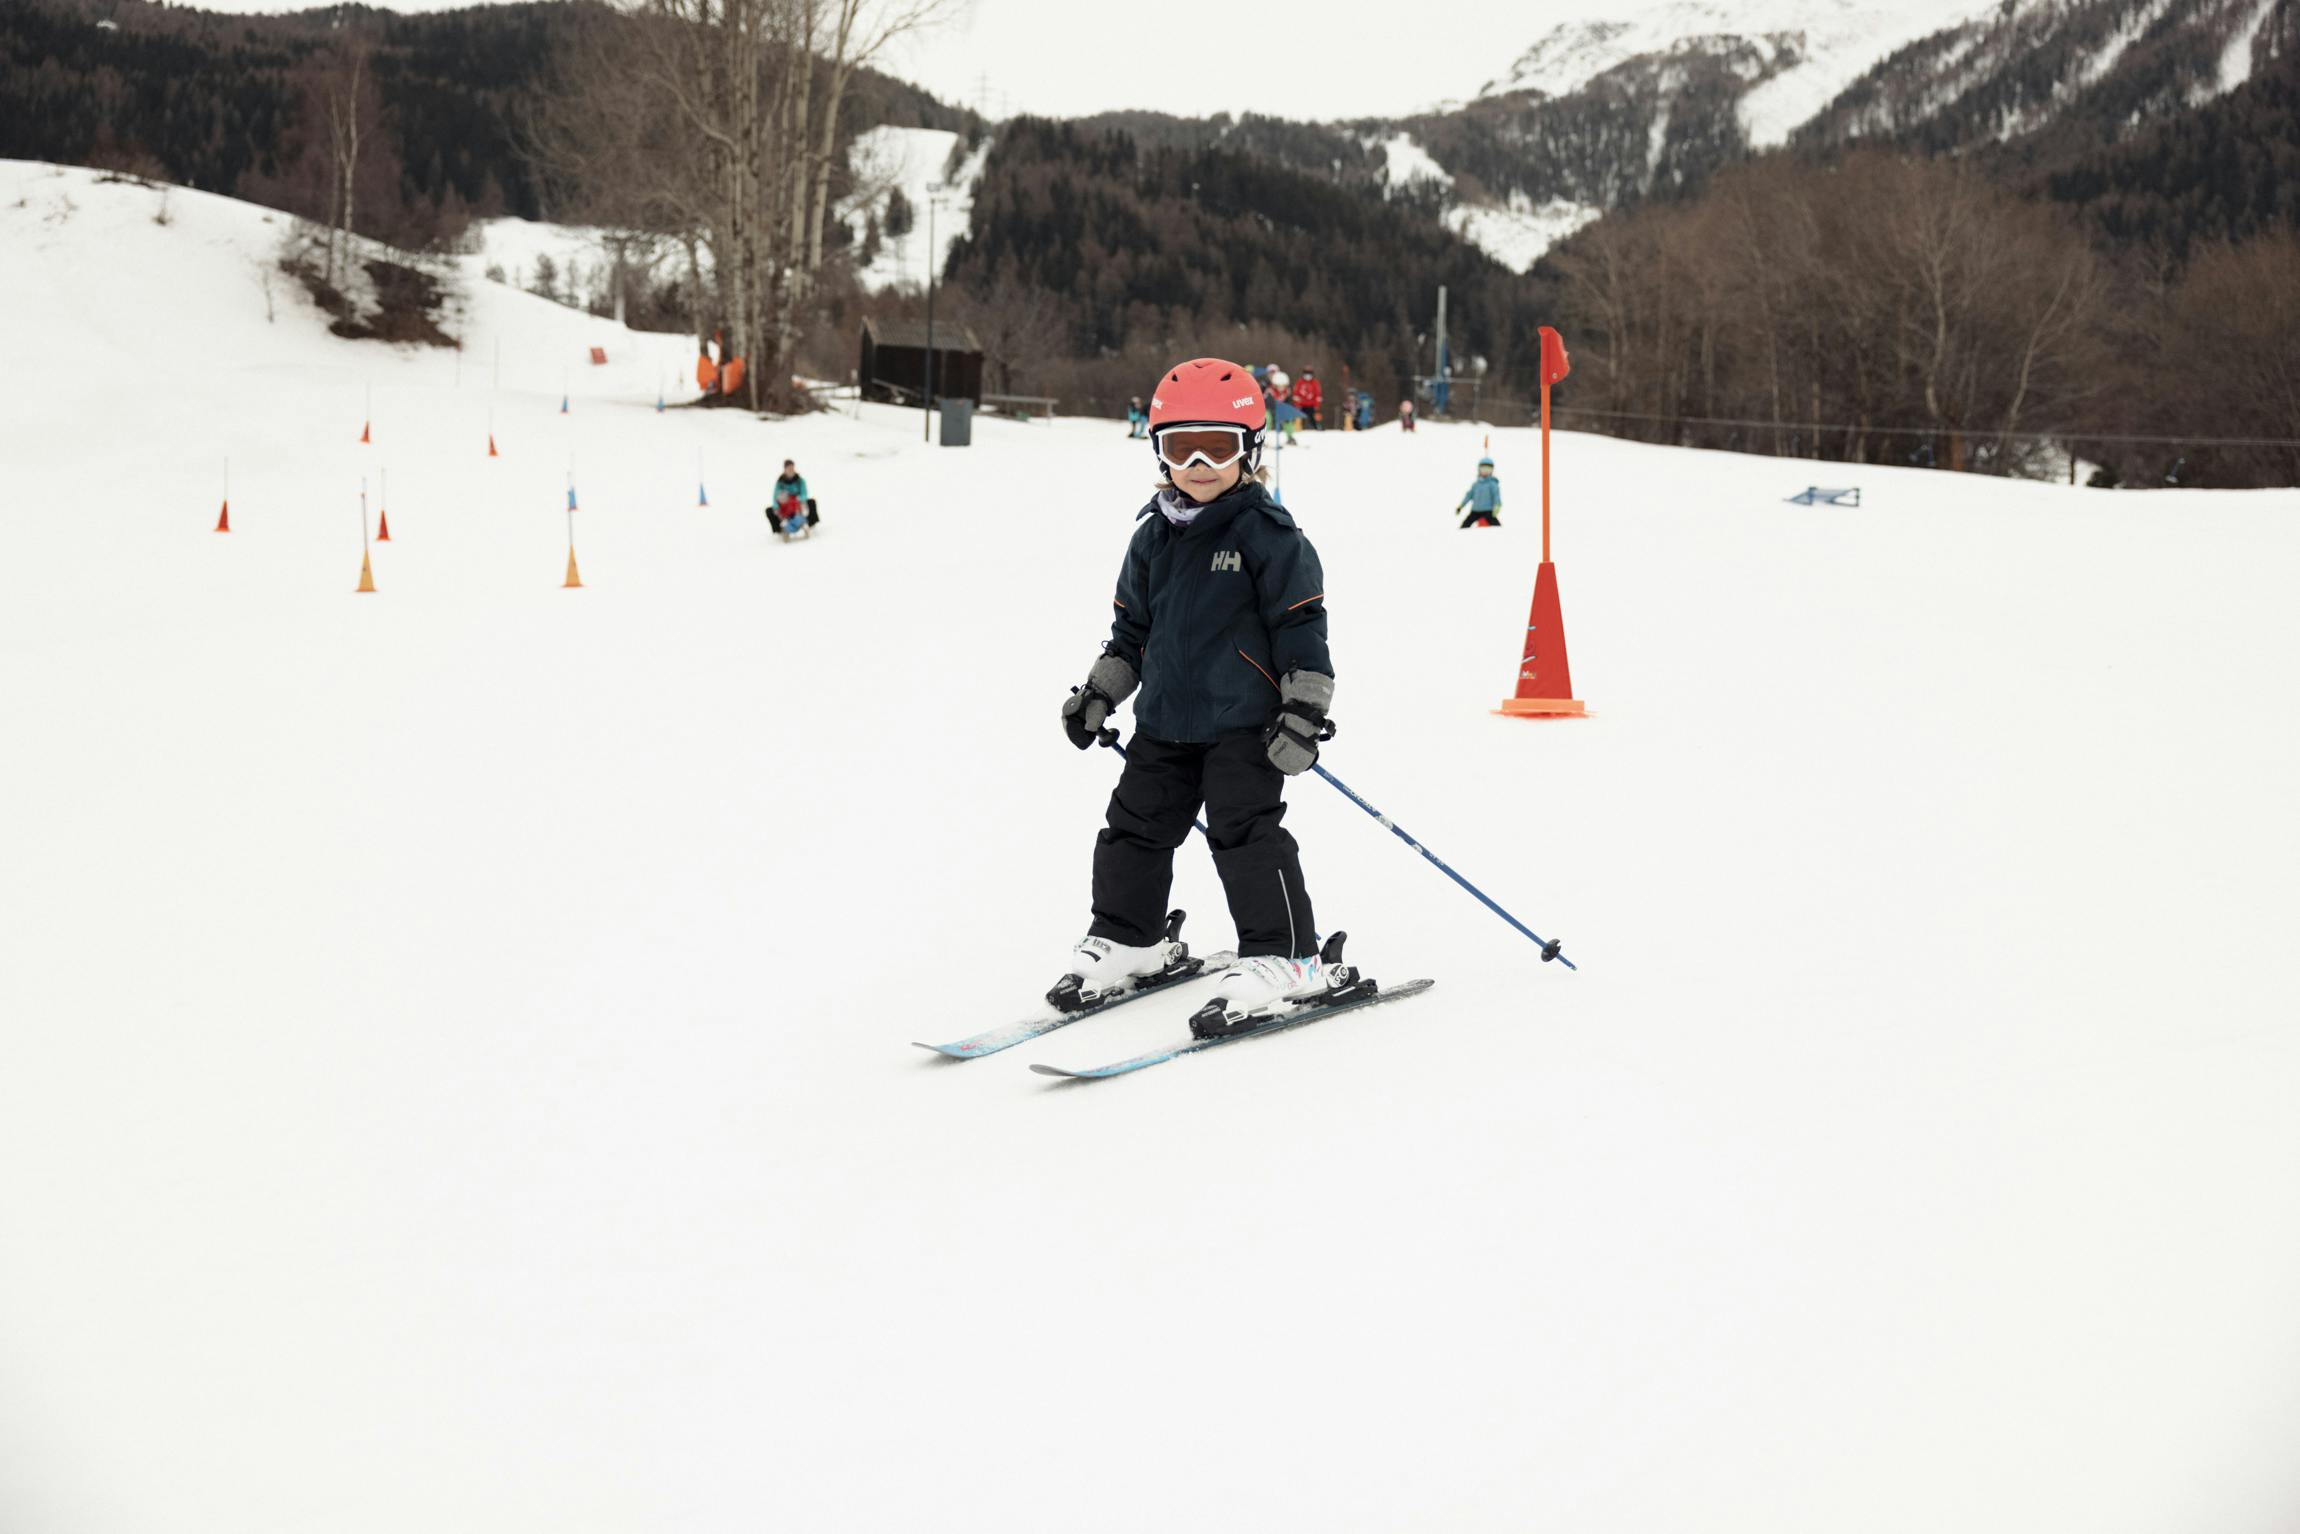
{"x": 1550, "y": 949}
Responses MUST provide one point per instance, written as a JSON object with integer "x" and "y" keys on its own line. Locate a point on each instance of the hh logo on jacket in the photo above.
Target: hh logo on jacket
{"x": 1228, "y": 560}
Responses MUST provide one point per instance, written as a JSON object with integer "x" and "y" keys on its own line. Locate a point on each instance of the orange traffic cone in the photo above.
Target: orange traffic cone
{"x": 364, "y": 439}
{"x": 573, "y": 579}
{"x": 224, "y": 522}
{"x": 366, "y": 574}
{"x": 1544, "y": 680}
{"x": 383, "y": 527}
{"x": 491, "y": 446}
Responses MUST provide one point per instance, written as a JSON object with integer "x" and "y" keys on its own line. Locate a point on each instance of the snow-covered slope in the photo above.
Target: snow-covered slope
{"x": 914, "y": 161}
{"x": 1811, "y": 49}
{"x": 455, "y": 1065}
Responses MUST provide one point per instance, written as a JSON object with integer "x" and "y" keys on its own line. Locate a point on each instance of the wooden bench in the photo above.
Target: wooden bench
{"x": 1020, "y": 406}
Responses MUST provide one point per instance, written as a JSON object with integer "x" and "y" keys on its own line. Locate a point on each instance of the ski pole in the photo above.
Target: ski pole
{"x": 1549, "y": 949}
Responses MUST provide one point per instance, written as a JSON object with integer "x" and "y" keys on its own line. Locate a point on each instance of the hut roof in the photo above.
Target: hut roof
{"x": 949, "y": 335}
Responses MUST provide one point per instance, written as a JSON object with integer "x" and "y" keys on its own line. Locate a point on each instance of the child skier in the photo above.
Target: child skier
{"x": 1137, "y": 420}
{"x": 791, "y": 508}
{"x": 1483, "y": 498}
{"x": 1221, "y": 622}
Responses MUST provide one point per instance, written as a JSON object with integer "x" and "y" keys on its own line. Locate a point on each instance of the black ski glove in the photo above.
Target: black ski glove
{"x": 1108, "y": 684}
{"x": 1292, "y": 738}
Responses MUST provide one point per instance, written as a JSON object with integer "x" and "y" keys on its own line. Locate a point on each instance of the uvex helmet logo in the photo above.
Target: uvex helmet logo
{"x": 1157, "y": 402}
{"x": 1228, "y": 559}
{"x": 1241, "y": 402}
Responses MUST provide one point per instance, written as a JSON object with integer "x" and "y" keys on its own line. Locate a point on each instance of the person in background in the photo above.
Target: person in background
{"x": 1137, "y": 419}
{"x": 1365, "y": 410}
{"x": 1483, "y": 498}
{"x": 1309, "y": 394}
{"x": 790, "y": 505}
{"x": 1405, "y": 415}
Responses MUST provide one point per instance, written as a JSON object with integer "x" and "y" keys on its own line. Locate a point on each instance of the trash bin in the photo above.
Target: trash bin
{"x": 958, "y": 423}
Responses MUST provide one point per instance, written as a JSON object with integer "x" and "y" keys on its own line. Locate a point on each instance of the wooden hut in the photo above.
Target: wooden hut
{"x": 893, "y": 364}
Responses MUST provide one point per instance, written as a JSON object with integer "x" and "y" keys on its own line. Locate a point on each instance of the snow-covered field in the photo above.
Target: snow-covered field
{"x": 455, "y": 1043}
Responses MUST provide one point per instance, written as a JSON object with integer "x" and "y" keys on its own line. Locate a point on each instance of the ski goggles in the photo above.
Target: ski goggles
{"x": 1220, "y": 446}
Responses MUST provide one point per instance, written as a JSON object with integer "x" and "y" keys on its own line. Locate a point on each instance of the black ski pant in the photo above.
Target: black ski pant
{"x": 1158, "y": 794}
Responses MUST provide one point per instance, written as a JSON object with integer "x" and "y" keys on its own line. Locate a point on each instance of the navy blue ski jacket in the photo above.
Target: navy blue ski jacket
{"x": 1211, "y": 615}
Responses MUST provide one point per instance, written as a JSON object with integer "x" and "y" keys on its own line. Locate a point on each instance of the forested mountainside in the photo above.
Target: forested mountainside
{"x": 1125, "y": 248}
{"x": 236, "y": 104}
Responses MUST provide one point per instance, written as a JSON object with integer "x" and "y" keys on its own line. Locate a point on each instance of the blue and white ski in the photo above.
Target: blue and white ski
{"x": 996, "y": 1039}
{"x": 1369, "y": 996}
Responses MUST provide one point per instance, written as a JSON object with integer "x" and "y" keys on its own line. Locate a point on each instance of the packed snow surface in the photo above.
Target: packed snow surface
{"x": 455, "y": 1043}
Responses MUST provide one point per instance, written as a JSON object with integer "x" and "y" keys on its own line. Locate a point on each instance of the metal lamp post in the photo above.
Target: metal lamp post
{"x": 934, "y": 191}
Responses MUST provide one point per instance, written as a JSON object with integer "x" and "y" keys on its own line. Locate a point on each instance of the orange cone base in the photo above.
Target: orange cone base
{"x": 572, "y": 578}
{"x": 366, "y": 575}
{"x": 383, "y": 529}
{"x": 1540, "y": 706}
{"x": 491, "y": 446}
{"x": 363, "y": 436}
{"x": 224, "y": 522}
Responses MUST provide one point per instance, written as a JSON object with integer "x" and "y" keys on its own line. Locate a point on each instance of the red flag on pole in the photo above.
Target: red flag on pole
{"x": 1544, "y": 682}
{"x": 1554, "y": 363}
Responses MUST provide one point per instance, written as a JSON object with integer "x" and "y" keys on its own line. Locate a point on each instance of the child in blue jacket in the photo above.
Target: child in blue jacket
{"x": 1483, "y": 498}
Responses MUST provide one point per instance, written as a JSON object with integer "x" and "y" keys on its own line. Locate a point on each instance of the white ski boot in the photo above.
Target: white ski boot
{"x": 1100, "y": 969}
{"x": 1253, "y": 991}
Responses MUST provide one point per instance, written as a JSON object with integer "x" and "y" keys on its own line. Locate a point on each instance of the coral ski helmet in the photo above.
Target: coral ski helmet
{"x": 1207, "y": 391}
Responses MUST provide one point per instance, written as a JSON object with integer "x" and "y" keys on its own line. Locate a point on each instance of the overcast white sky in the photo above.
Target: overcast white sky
{"x": 1334, "y": 59}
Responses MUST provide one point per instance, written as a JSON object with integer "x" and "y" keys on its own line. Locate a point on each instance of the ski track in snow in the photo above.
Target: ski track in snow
{"x": 441, "y": 1085}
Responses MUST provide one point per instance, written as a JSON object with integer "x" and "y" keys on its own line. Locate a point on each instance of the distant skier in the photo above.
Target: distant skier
{"x": 1365, "y": 411}
{"x": 1309, "y": 395}
{"x": 1405, "y": 415}
{"x": 1221, "y": 621}
{"x": 1137, "y": 419}
{"x": 791, "y": 508}
{"x": 1483, "y": 498}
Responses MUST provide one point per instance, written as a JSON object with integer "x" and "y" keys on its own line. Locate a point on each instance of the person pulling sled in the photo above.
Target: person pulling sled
{"x": 1220, "y": 626}
{"x": 790, "y": 510}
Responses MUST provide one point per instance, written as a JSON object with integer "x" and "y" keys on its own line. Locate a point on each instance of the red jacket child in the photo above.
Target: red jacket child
{"x": 1307, "y": 393}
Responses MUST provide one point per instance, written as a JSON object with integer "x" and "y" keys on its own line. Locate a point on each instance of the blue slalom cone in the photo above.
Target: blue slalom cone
{"x": 701, "y": 497}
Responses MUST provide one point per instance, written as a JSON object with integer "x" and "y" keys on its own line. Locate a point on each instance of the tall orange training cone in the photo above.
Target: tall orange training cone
{"x": 383, "y": 527}
{"x": 364, "y": 439}
{"x": 573, "y": 579}
{"x": 1544, "y": 681}
{"x": 224, "y": 522}
{"x": 366, "y": 573}
{"x": 491, "y": 446}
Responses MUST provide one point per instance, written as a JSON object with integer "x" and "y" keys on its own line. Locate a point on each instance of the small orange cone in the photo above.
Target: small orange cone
{"x": 366, "y": 574}
{"x": 364, "y": 439}
{"x": 573, "y": 579}
{"x": 383, "y": 527}
{"x": 491, "y": 446}
{"x": 224, "y": 522}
